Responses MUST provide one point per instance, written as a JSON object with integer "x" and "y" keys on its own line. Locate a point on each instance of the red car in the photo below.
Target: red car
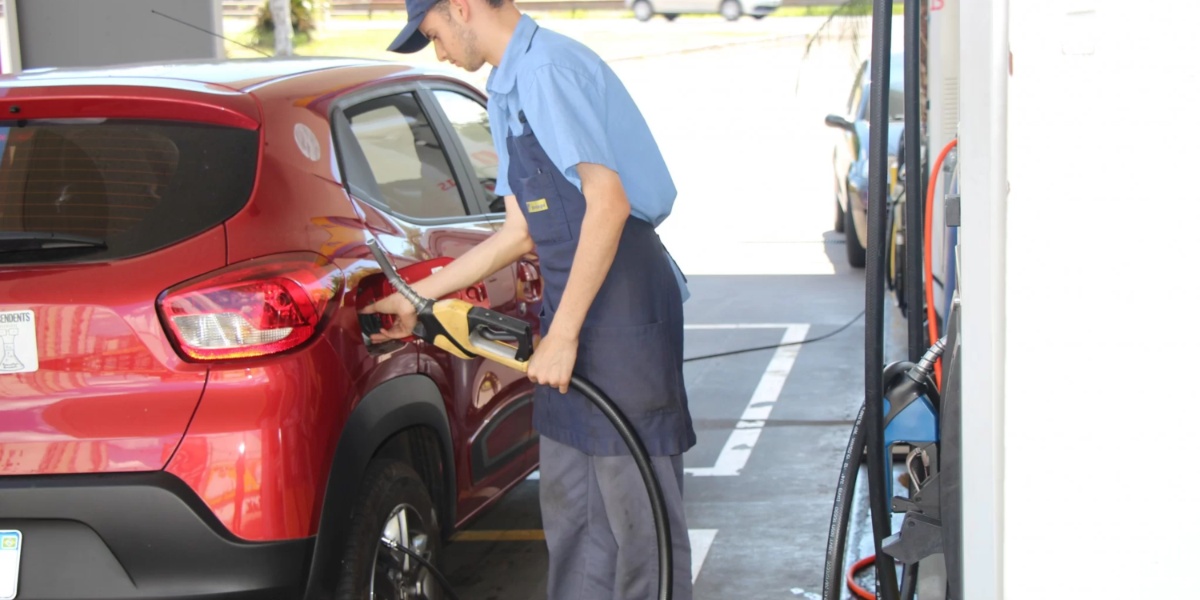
{"x": 188, "y": 405}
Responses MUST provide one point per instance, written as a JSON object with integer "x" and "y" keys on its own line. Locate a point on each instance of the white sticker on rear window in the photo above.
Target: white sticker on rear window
{"x": 18, "y": 340}
{"x": 307, "y": 141}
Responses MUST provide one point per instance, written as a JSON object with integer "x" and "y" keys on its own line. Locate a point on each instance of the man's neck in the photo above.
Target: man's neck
{"x": 507, "y": 18}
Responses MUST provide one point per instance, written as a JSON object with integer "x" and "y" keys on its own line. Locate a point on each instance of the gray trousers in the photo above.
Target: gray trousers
{"x": 599, "y": 528}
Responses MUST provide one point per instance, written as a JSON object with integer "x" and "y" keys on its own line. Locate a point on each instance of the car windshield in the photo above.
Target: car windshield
{"x": 98, "y": 190}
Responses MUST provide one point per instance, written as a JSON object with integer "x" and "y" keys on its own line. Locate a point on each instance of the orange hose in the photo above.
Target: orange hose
{"x": 858, "y": 590}
{"x": 930, "y": 310}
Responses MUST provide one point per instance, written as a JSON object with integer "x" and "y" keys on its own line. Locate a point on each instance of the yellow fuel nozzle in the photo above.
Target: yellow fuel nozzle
{"x": 462, "y": 329}
{"x": 466, "y": 330}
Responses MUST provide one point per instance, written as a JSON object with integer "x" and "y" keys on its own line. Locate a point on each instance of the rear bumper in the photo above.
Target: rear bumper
{"x": 138, "y": 535}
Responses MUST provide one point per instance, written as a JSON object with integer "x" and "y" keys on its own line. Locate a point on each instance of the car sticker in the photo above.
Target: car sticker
{"x": 18, "y": 341}
{"x": 10, "y": 563}
{"x": 306, "y": 140}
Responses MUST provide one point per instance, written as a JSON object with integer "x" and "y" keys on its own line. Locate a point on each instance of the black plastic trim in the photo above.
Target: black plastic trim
{"x": 137, "y": 535}
{"x": 484, "y": 464}
{"x": 397, "y": 404}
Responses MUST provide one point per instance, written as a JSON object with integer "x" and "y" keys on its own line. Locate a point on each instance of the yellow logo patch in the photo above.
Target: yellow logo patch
{"x": 536, "y": 205}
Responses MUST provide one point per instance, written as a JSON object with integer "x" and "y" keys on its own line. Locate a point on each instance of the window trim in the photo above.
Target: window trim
{"x": 437, "y": 120}
{"x": 429, "y": 89}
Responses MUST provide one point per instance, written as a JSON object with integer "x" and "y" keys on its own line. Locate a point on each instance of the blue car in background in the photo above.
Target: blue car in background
{"x": 850, "y": 164}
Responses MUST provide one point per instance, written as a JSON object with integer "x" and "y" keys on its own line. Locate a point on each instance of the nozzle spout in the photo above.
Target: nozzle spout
{"x": 389, "y": 271}
{"x": 925, "y": 366}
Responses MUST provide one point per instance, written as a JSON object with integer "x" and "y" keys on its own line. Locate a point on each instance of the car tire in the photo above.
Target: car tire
{"x": 642, "y": 10}
{"x": 731, "y": 10}
{"x": 758, "y": 17}
{"x": 855, "y": 253}
{"x": 670, "y": 16}
{"x": 393, "y": 506}
{"x": 839, "y": 223}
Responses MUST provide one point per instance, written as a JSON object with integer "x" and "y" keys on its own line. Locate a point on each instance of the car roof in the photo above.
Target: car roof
{"x": 236, "y": 74}
{"x": 223, "y": 87}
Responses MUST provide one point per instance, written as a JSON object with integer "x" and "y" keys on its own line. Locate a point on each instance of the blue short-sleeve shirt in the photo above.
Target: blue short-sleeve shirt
{"x": 580, "y": 112}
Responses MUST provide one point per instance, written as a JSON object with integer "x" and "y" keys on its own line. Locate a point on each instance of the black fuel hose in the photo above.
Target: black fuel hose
{"x": 877, "y": 153}
{"x": 658, "y": 507}
{"x": 662, "y": 528}
{"x": 843, "y": 501}
{"x": 839, "y": 520}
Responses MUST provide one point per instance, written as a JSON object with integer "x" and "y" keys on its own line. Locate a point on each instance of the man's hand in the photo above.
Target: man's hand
{"x": 553, "y": 361}
{"x": 406, "y": 317}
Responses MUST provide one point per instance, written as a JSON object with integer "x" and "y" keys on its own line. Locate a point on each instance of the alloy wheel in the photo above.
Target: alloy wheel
{"x": 396, "y": 575}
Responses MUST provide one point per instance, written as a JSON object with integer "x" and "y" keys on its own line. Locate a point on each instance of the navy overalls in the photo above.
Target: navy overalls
{"x": 631, "y": 344}
{"x": 595, "y": 509}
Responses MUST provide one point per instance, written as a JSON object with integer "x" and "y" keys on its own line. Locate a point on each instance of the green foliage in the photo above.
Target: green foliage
{"x": 853, "y": 13}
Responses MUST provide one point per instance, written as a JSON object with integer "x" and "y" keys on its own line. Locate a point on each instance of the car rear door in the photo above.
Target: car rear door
{"x": 418, "y": 159}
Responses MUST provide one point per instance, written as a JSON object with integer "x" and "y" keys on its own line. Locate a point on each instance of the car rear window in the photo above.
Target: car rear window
{"x": 76, "y": 190}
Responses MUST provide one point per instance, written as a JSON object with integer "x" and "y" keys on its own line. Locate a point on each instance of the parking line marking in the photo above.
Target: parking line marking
{"x": 701, "y": 540}
{"x": 499, "y": 535}
{"x": 746, "y": 432}
{"x": 741, "y": 326}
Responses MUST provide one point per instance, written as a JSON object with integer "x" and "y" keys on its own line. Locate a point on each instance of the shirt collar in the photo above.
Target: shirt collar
{"x": 504, "y": 76}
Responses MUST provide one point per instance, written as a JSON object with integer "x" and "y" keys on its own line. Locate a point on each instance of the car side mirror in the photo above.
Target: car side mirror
{"x": 838, "y": 121}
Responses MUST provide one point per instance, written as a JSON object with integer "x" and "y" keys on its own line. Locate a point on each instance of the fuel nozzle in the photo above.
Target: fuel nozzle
{"x": 461, "y": 328}
{"x": 419, "y": 302}
{"x": 925, "y": 365}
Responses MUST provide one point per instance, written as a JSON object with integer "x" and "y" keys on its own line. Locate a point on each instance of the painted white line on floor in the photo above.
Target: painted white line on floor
{"x": 740, "y": 326}
{"x": 742, "y": 439}
{"x": 702, "y": 541}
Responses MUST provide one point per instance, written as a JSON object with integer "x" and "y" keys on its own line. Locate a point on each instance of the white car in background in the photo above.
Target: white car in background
{"x": 732, "y": 10}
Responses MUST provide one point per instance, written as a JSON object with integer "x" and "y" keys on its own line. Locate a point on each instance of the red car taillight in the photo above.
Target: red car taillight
{"x": 259, "y": 307}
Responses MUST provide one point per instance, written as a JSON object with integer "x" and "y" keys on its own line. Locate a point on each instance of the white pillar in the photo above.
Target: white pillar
{"x": 984, "y": 186}
{"x": 10, "y": 39}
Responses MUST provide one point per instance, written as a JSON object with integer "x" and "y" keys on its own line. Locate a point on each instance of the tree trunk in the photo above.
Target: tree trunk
{"x": 321, "y": 11}
{"x": 281, "y": 13}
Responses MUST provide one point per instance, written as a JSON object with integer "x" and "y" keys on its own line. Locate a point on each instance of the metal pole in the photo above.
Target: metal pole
{"x": 878, "y": 462}
{"x": 914, "y": 185}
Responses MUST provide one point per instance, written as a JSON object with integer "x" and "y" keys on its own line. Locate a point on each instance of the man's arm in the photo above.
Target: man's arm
{"x": 603, "y": 221}
{"x": 498, "y": 251}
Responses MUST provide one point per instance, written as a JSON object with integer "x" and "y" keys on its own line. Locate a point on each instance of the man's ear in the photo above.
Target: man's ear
{"x": 460, "y": 10}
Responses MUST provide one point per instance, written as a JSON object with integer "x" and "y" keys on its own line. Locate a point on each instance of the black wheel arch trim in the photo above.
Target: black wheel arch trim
{"x": 397, "y": 404}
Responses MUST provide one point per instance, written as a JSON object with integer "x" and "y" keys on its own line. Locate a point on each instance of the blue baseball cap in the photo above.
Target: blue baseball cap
{"x": 411, "y": 39}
